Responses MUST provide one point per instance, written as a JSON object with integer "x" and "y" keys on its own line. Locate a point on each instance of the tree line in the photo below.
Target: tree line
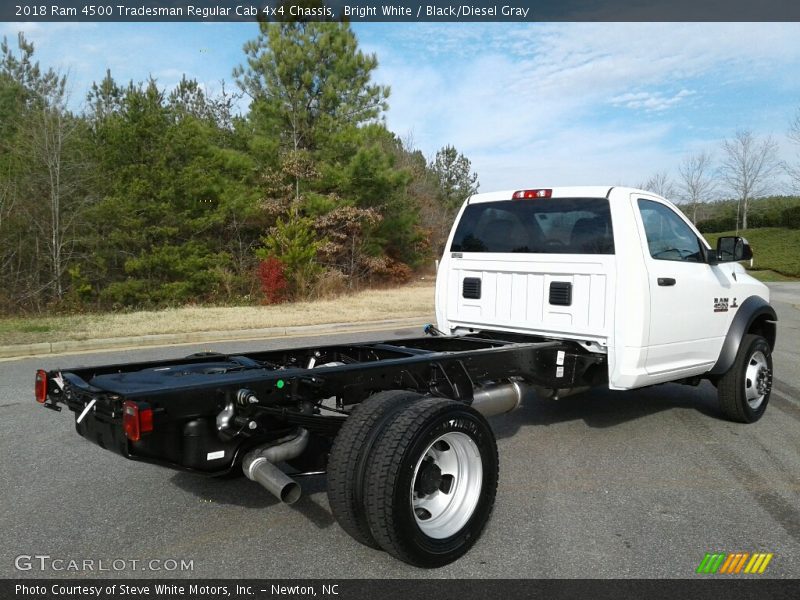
{"x": 151, "y": 197}
{"x": 745, "y": 173}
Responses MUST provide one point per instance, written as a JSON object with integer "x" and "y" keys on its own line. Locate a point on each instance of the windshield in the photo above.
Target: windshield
{"x": 552, "y": 225}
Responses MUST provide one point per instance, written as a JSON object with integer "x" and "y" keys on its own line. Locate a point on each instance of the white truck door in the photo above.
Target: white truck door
{"x": 687, "y": 323}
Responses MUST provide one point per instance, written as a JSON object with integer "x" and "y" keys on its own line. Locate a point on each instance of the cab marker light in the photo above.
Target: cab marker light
{"x": 529, "y": 194}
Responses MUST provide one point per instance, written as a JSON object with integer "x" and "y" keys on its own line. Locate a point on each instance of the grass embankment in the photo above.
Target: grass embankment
{"x": 370, "y": 305}
{"x": 776, "y": 252}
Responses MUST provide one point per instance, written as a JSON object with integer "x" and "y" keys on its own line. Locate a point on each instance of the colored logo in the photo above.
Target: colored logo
{"x": 734, "y": 563}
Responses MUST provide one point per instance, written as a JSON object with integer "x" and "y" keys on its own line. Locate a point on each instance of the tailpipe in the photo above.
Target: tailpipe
{"x": 275, "y": 481}
{"x": 498, "y": 399}
{"x": 259, "y": 466}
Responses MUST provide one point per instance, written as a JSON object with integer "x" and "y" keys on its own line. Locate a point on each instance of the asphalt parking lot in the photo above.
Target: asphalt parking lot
{"x": 604, "y": 484}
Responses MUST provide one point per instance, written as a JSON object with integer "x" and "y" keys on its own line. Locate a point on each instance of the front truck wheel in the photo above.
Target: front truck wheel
{"x": 431, "y": 482}
{"x": 745, "y": 389}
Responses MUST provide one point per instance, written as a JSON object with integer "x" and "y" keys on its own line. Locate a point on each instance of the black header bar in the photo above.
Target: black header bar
{"x": 398, "y": 10}
{"x": 396, "y": 589}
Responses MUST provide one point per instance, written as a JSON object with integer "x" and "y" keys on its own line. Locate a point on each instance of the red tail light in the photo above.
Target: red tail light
{"x": 528, "y": 194}
{"x": 137, "y": 418}
{"x": 40, "y": 387}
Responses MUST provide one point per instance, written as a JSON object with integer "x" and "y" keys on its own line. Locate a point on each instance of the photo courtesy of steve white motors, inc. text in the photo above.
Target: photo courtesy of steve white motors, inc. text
{"x": 139, "y": 590}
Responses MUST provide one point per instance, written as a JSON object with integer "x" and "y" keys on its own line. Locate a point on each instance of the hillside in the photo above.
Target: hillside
{"x": 774, "y": 249}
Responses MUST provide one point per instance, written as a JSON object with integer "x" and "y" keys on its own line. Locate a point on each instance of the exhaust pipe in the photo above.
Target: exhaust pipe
{"x": 558, "y": 393}
{"x": 498, "y": 399}
{"x": 259, "y": 465}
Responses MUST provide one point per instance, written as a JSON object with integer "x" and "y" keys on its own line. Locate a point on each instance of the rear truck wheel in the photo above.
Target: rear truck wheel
{"x": 348, "y": 459}
{"x": 745, "y": 389}
{"x": 431, "y": 482}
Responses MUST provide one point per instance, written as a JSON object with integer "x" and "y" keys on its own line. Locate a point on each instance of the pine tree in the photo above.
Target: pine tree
{"x": 307, "y": 82}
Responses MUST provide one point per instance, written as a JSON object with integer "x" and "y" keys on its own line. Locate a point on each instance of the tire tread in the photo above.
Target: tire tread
{"x": 383, "y": 473}
{"x": 356, "y": 437}
{"x": 731, "y": 395}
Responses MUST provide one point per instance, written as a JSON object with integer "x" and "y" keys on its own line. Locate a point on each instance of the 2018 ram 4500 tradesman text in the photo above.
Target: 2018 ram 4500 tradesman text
{"x": 552, "y": 290}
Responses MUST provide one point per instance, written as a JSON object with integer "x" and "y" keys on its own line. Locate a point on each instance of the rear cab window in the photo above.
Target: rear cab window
{"x": 536, "y": 226}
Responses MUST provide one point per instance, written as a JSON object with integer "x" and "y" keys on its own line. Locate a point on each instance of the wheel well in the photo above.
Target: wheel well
{"x": 765, "y": 327}
{"x": 755, "y": 316}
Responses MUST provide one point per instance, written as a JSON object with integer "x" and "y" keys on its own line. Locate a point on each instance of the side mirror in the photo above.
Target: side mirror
{"x": 733, "y": 249}
{"x": 710, "y": 256}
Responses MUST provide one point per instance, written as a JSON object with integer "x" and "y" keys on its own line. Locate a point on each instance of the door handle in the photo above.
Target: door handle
{"x": 664, "y": 281}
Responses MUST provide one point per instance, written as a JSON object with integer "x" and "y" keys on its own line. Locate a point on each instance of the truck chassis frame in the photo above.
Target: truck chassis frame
{"x": 233, "y": 402}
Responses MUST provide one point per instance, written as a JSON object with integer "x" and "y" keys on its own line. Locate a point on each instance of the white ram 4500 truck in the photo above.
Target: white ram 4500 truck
{"x": 555, "y": 290}
{"x": 620, "y": 271}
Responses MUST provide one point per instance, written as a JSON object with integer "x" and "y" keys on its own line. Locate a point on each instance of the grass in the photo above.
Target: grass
{"x": 776, "y": 252}
{"x": 770, "y": 276}
{"x": 413, "y": 300}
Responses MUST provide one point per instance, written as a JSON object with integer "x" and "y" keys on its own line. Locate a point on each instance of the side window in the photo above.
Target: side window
{"x": 668, "y": 236}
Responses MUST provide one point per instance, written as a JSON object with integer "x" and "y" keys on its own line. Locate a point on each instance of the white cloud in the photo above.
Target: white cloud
{"x": 558, "y": 102}
{"x": 650, "y": 101}
{"x": 534, "y": 100}
{"x": 602, "y": 154}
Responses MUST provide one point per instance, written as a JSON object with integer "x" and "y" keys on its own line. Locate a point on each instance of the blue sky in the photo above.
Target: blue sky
{"x": 529, "y": 104}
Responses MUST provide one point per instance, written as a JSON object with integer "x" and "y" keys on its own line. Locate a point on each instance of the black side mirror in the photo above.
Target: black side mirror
{"x": 733, "y": 249}
{"x": 710, "y": 256}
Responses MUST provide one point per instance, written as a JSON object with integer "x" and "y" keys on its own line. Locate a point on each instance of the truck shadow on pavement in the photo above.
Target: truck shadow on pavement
{"x": 600, "y": 408}
{"x": 597, "y": 408}
{"x": 244, "y": 493}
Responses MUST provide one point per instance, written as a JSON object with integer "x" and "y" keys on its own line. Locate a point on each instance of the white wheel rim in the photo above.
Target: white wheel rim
{"x": 757, "y": 379}
{"x": 447, "y": 485}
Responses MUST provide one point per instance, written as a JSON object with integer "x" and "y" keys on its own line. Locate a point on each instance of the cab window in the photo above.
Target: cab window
{"x": 555, "y": 225}
{"x": 668, "y": 236}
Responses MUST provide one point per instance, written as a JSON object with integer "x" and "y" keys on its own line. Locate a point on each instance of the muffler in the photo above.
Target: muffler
{"x": 498, "y": 399}
{"x": 259, "y": 465}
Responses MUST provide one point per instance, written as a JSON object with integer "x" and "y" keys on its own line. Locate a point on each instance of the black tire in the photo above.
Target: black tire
{"x": 751, "y": 373}
{"x": 348, "y": 459}
{"x": 397, "y": 467}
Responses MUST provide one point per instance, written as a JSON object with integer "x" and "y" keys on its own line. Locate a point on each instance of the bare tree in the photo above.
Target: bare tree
{"x": 44, "y": 176}
{"x": 746, "y": 168}
{"x": 659, "y": 183}
{"x": 794, "y": 136}
{"x": 50, "y": 129}
{"x": 8, "y": 198}
{"x": 697, "y": 181}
